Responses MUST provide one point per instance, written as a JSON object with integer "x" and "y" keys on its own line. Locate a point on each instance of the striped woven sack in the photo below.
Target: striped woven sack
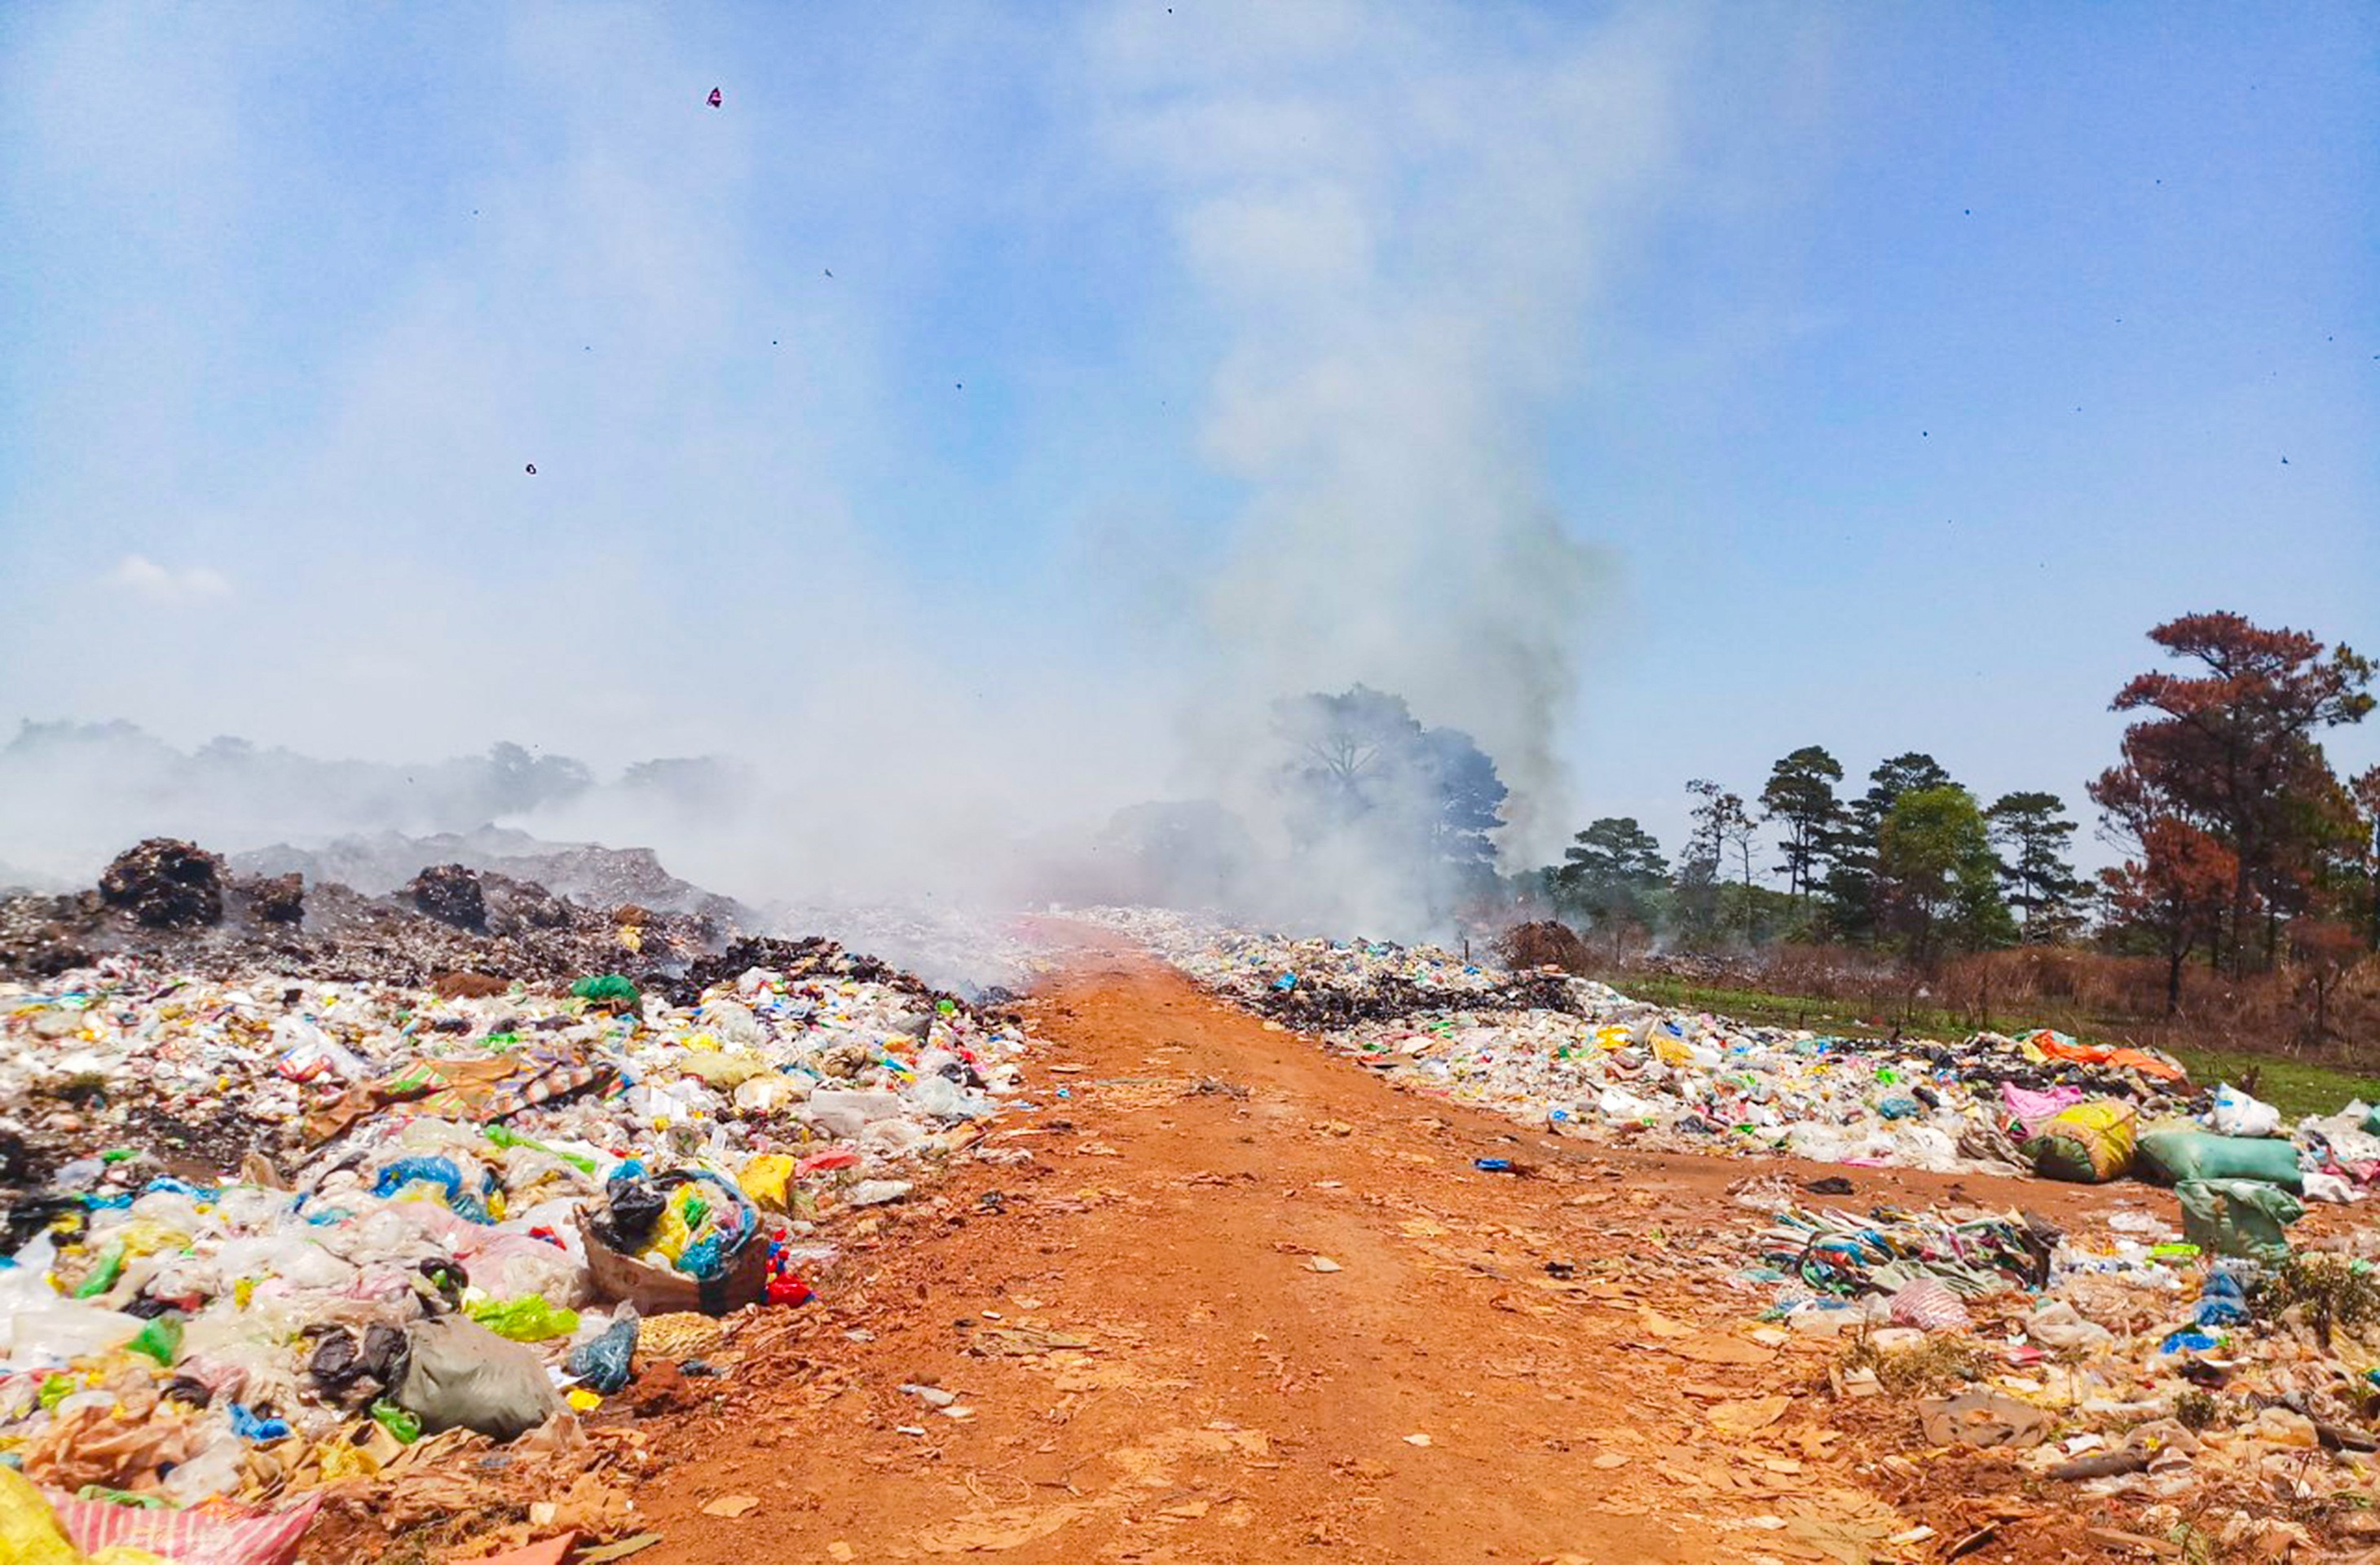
{"x": 208, "y": 1534}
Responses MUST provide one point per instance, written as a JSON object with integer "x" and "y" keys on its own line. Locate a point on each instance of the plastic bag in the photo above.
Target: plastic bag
{"x": 1924, "y": 1303}
{"x": 942, "y": 1099}
{"x": 2222, "y": 1302}
{"x": 2173, "y": 1157}
{"x": 1619, "y": 1103}
{"x": 603, "y": 1361}
{"x": 608, "y": 989}
{"x": 512, "y": 1266}
{"x": 2238, "y": 1217}
{"x": 705, "y": 1258}
{"x": 2059, "y": 1324}
{"x": 2089, "y": 1144}
{"x": 462, "y": 1375}
{"x": 160, "y": 1339}
{"x": 2236, "y": 1113}
{"x": 529, "y": 1319}
{"x": 768, "y": 1180}
{"x": 412, "y": 1179}
{"x": 2335, "y": 1188}
{"x": 636, "y": 1207}
{"x": 402, "y": 1427}
{"x": 339, "y": 1362}
{"x": 671, "y": 1233}
{"x": 2027, "y": 1109}
{"x": 62, "y": 1332}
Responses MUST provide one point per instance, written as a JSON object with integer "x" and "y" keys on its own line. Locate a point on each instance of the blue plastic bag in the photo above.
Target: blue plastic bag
{"x": 257, "y": 1428}
{"x": 2222, "y": 1302}
{"x": 603, "y": 1360}
{"x": 446, "y": 1175}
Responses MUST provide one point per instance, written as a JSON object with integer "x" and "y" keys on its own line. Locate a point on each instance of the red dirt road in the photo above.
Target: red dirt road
{"x": 1247, "y": 1302}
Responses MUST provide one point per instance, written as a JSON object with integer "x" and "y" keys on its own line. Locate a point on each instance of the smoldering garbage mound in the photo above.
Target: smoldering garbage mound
{"x": 596, "y": 876}
{"x": 1544, "y": 943}
{"x": 166, "y": 884}
{"x": 175, "y": 904}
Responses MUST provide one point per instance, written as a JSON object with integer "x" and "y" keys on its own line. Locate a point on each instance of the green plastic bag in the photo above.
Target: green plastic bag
{"x": 505, "y": 1138}
{"x": 105, "y": 1275}
{"x": 400, "y": 1423}
{"x": 2180, "y": 1157}
{"x": 526, "y": 1319}
{"x": 161, "y": 1339}
{"x": 2246, "y": 1217}
{"x": 609, "y": 988}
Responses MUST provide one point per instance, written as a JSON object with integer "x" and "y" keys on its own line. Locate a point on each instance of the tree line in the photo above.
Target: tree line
{"x": 1915, "y": 863}
{"x": 2242, "y": 846}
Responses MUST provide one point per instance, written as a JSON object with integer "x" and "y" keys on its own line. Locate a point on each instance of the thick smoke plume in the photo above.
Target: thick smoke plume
{"x": 1374, "y": 235}
{"x": 1401, "y": 262}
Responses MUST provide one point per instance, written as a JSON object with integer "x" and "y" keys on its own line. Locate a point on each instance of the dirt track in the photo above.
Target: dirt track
{"x": 1163, "y": 1364}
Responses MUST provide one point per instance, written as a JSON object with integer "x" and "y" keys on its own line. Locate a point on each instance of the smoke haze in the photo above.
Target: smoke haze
{"x": 970, "y": 429}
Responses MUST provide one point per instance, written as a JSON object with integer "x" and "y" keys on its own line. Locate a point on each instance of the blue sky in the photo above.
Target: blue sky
{"x": 1651, "y": 392}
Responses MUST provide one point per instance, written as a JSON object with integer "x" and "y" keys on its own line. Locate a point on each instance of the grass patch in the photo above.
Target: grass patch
{"x": 2295, "y": 1086}
{"x": 1944, "y": 1362}
{"x": 2334, "y": 1290}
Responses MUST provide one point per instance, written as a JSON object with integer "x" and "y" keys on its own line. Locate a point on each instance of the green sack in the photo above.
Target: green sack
{"x": 2246, "y": 1217}
{"x": 2086, "y": 1143}
{"x": 2185, "y": 1156}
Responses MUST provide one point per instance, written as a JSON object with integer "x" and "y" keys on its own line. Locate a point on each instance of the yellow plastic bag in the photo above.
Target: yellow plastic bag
{"x": 30, "y": 1533}
{"x": 1672, "y": 1051}
{"x": 671, "y": 1233}
{"x": 2089, "y": 1144}
{"x": 768, "y": 1180}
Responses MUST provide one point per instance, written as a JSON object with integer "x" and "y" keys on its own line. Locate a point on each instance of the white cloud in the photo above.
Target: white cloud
{"x": 144, "y": 577}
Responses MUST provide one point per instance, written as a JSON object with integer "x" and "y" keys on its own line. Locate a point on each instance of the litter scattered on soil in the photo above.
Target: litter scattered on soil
{"x": 444, "y": 1193}
{"x": 2210, "y": 1371}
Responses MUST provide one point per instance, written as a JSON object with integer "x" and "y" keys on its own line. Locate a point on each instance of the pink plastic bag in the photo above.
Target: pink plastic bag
{"x": 210, "y": 1534}
{"x": 2027, "y": 1109}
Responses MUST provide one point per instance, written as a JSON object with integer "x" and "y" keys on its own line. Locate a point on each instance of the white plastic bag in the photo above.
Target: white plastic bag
{"x": 2236, "y": 1113}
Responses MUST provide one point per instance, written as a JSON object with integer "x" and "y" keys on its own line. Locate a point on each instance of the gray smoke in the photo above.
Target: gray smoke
{"x": 1401, "y": 231}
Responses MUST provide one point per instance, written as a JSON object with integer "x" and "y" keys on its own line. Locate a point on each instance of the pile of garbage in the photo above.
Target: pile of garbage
{"x": 588, "y": 873}
{"x": 1579, "y": 1057}
{"x": 263, "y": 1232}
{"x": 1326, "y": 983}
{"x": 2143, "y": 1362}
{"x": 177, "y": 905}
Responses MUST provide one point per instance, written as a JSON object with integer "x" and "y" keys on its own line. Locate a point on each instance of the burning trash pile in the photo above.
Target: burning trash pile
{"x": 177, "y": 905}
{"x": 264, "y": 1231}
